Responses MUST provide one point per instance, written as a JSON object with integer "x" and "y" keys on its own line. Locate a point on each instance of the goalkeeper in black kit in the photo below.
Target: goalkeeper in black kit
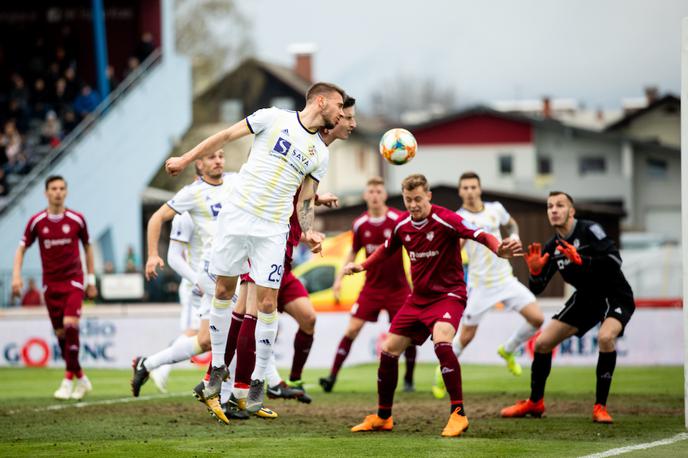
{"x": 587, "y": 259}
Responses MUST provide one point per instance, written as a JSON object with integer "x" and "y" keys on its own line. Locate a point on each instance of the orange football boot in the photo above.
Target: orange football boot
{"x": 600, "y": 414}
{"x": 523, "y": 408}
{"x": 374, "y": 423}
{"x": 456, "y": 425}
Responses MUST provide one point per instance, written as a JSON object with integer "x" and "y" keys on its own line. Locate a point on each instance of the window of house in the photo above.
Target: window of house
{"x": 231, "y": 111}
{"x": 506, "y": 164}
{"x": 656, "y": 168}
{"x": 318, "y": 278}
{"x": 544, "y": 165}
{"x": 592, "y": 165}
{"x": 285, "y": 103}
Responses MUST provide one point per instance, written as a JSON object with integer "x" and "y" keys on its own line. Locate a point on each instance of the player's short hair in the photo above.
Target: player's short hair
{"x": 469, "y": 176}
{"x": 52, "y": 178}
{"x": 411, "y": 182}
{"x": 561, "y": 193}
{"x": 349, "y": 101}
{"x": 322, "y": 88}
{"x": 375, "y": 181}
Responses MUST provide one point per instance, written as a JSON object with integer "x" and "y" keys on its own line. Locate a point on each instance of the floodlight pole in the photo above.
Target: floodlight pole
{"x": 684, "y": 204}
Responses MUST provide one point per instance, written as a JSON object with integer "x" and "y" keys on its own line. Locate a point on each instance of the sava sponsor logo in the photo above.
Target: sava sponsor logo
{"x": 423, "y": 254}
{"x": 49, "y": 243}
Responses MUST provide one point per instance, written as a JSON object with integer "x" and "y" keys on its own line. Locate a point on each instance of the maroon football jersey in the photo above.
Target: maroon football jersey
{"x": 369, "y": 233}
{"x": 294, "y": 237}
{"x": 435, "y": 252}
{"x": 58, "y": 237}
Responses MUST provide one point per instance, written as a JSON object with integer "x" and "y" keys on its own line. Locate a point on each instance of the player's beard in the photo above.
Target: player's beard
{"x": 328, "y": 121}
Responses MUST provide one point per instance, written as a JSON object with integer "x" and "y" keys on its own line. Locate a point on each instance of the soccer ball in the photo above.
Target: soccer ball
{"x": 398, "y": 146}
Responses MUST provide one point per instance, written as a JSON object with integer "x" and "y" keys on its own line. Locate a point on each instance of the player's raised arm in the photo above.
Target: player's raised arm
{"x": 175, "y": 165}
{"x": 164, "y": 213}
{"x": 507, "y": 248}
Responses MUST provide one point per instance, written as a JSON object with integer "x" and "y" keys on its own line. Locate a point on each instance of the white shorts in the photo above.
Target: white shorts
{"x": 241, "y": 237}
{"x": 513, "y": 294}
{"x": 206, "y": 281}
{"x": 190, "y": 300}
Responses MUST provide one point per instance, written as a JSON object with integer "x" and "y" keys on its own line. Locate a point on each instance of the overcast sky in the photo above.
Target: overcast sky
{"x": 596, "y": 51}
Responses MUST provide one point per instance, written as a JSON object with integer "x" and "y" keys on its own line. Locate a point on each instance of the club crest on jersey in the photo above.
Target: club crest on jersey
{"x": 430, "y": 235}
{"x": 366, "y": 234}
{"x": 387, "y": 233}
{"x": 46, "y": 230}
{"x": 282, "y": 146}
{"x": 285, "y": 132}
{"x": 65, "y": 228}
{"x": 311, "y": 150}
{"x": 576, "y": 243}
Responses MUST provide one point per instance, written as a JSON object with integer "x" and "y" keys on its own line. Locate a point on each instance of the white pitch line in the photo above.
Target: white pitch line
{"x": 103, "y": 402}
{"x": 631, "y": 448}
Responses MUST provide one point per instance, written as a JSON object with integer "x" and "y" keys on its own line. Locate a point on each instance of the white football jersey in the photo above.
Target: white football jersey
{"x": 284, "y": 152}
{"x": 203, "y": 201}
{"x": 183, "y": 232}
{"x": 486, "y": 269}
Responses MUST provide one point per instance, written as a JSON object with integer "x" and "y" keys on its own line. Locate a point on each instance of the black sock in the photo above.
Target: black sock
{"x": 458, "y": 408}
{"x": 384, "y": 413}
{"x": 606, "y": 362}
{"x": 542, "y": 364}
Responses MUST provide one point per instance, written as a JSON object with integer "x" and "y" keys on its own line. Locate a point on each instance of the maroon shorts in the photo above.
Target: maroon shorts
{"x": 63, "y": 299}
{"x": 368, "y": 305}
{"x": 290, "y": 289}
{"x": 417, "y": 322}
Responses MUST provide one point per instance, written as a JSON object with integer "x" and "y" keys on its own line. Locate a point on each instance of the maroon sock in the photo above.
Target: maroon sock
{"x": 410, "y": 356}
{"x": 71, "y": 355}
{"x": 246, "y": 352}
{"x": 451, "y": 372}
{"x": 302, "y": 347}
{"x": 342, "y": 353}
{"x": 233, "y": 336}
{"x": 387, "y": 377}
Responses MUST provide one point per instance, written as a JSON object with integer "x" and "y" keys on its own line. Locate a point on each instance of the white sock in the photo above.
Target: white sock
{"x": 271, "y": 375}
{"x": 220, "y": 318}
{"x": 225, "y": 391}
{"x": 456, "y": 345}
{"x": 183, "y": 348}
{"x": 266, "y": 332}
{"x": 520, "y": 336}
{"x": 164, "y": 371}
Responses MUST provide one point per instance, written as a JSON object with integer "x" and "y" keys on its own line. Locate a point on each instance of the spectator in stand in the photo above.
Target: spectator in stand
{"x": 60, "y": 100}
{"x": 112, "y": 79}
{"x": 17, "y": 112}
{"x": 87, "y": 101}
{"x": 32, "y": 296}
{"x": 145, "y": 47}
{"x": 131, "y": 261}
{"x": 69, "y": 122}
{"x": 132, "y": 64}
{"x": 19, "y": 91}
{"x": 72, "y": 83}
{"x": 39, "y": 99}
{"x": 51, "y": 130}
{"x": 12, "y": 142}
{"x": 53, "y": 74}
{"x": 19, "y": 165}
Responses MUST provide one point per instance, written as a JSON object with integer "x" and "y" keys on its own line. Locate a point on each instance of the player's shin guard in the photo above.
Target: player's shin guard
{"x": 234, "y": 327}
{"x": 542, "y": 365}
{"x": 451, "y": 374}
{"x": 266, "y": 332}
{"x": 387, "y": 377}
{"x": 246, "y": 353}
{"x": 606, "y": 362}
{"x": 220, "y": 313}
{"x": 410, "y": 357}
{"x": 183, "y": 348}
{"x": 519, "y": 337}
{"x": 302, "y": 347}
{"x": 342, "y": 353}
{"x": 71, "y": 355}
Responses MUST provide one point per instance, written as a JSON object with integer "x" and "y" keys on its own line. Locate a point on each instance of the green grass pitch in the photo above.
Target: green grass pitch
{"x": 647, "y": 405}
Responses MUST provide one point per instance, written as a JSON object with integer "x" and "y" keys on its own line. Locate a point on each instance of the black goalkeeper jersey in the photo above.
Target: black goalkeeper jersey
{"x": 599, "y": 275}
